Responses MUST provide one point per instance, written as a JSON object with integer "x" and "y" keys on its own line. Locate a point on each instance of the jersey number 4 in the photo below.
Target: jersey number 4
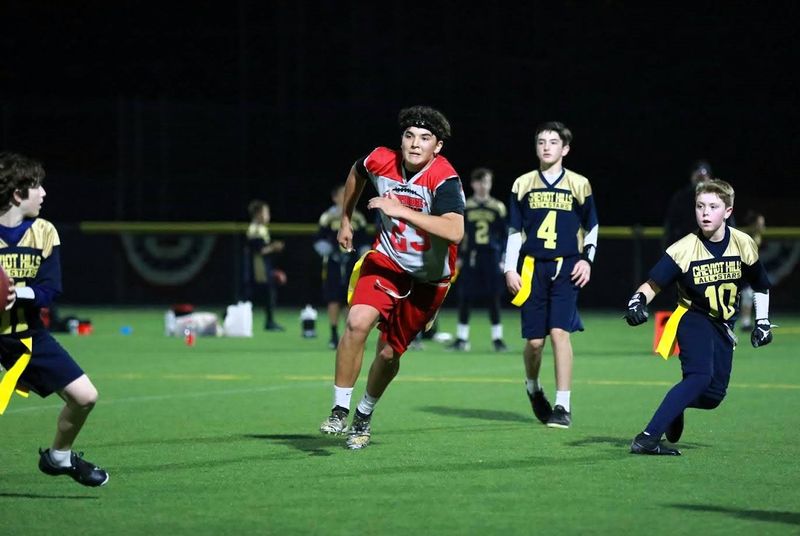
{"x": 547, "y": 230}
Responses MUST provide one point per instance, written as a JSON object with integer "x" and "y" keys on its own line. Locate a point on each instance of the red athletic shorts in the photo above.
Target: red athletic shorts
{"x": 405, "y": 304}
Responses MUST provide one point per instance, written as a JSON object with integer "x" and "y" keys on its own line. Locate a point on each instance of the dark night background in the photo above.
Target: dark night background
{"x": 186, "y": 110}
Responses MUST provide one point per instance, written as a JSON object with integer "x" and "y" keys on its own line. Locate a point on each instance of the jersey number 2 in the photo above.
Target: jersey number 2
{"x": 547, "y": 230}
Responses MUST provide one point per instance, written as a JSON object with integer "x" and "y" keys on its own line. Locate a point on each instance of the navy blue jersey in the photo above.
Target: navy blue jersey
{"x": 552, "y": 217}
{"x": 485, "y": 228}
{"x": 260, "y": 264}
{"x": 29, "y": 254}
{"x": 337, "y": 264}
{"x": 710, "y": 275}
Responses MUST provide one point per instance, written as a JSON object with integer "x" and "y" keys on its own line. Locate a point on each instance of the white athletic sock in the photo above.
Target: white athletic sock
{"x": 462, "y": 332}
{"x": 533, "y": 385}
{"x": 61, "y": 458}
{"x": 367, "y": 404}
{"x": 341, "y": 396}
{"x": 497, "y": 332}
{"x": 562, "y": 399}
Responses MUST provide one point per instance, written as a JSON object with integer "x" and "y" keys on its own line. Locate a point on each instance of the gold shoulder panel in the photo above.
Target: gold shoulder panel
{"x": 358, "y": 221}
{"x": 578, "y": 185}
{"x": 498, "y": 206}
{"x": 41, "y": 235}
{"x": 688, "y": 249}
{"x": 525, "y": 183}
{"x": 742, "y": 245}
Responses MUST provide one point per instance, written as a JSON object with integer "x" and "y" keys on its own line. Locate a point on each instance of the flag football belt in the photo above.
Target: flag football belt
{"x": 527, "y": 279}
{"x": 8, "y": 383}
{"x": 669, "y": 336}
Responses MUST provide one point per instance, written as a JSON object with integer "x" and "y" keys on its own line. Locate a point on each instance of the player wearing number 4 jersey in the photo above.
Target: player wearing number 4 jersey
{"x": 553, "y": 208}
{"x": 403, "y": 280}
{"x": 710, "y": 267}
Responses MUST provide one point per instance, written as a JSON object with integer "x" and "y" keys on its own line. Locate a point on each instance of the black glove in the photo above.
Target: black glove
{"x": 762, "y": 333}
{"x": 636, "y": 313}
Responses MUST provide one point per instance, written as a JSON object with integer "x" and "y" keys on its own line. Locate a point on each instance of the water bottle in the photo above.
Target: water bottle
{"x": 189, "y": 336}
{"x": 308, "y": 322}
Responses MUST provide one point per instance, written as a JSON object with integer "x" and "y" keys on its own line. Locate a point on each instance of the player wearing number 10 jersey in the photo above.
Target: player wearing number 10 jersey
{"x": 554, "y": 209}
{"x": 401, "y": 283}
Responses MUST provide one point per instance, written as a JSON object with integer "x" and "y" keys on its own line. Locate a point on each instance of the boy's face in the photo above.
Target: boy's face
{"x": 710, "y": 212}
{"x": 550, "y": 148}
{"x": 264, "y": 215}
{"x": 31, "y": 206}
{"x": 419, "y": 147}
{"x": 482, "y": 186}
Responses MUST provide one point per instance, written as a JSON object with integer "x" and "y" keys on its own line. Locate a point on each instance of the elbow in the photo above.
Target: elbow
{"x": 457, "y": 236}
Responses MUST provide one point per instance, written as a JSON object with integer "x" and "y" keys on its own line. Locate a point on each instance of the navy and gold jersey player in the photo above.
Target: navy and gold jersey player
{"x": 710, "y": 267}
{"x": 32, "y": 358}
{"x": 552, "y": 239}
{"x": 480, "y": 255}
{"x": 337, "y": 264}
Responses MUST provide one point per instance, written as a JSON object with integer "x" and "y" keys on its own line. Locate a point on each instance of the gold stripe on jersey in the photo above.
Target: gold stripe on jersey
{"x": 690, "y": 249}
{"x": 576, "y": 184}
{"x": 41, "y": 236}
{"x": 491, "y": 204}
{"x": 258, "y": 230}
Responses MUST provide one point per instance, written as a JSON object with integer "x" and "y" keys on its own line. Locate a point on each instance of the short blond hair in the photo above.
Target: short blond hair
{"x": 716, "y": 186}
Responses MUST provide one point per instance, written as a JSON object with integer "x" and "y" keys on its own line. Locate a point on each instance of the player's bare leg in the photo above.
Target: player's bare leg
{"x": 381, "y": 373}
{"x": 350, "y": 352}
{"x": 80, "y": 397}
{"x": 349, "y": 356}
{"x": 532, "y": 357}
{"x": 562, "y": 352}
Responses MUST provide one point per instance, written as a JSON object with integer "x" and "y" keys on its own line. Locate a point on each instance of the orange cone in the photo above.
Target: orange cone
{"x": 661, "y": 321}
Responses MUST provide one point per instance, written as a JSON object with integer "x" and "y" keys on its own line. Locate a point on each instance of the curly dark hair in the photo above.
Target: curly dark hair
{"x": 18, "y": 173}
{"x": 425, "y": 117}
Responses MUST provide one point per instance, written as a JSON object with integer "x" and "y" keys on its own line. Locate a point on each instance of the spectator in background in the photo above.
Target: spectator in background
{"x": 337, "y": 264}
{"x": 680, "y": 220}
{"x": 261, "y": 276}
{"x": 480, "y": 259}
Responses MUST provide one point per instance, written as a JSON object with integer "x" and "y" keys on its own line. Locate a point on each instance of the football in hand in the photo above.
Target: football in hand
{"x": 5, "y": 287}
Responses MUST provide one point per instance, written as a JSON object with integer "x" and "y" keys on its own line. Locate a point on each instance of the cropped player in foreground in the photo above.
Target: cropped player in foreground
{"x": 34, "y": 361}
{"x": 401, "y": 282}
{"x": 710, "y": 267}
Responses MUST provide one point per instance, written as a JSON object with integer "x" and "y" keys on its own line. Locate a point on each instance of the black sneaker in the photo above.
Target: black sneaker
{"x": 333, "y": 343}
{"x": 675, "y": 429}
{"x": 274, "y": 326}
{"x": 499, "y": 345}
{"x": 645, "y": 444}
{"x": 458, "y": 345}
{"x": 82, "y": 471}
{"x": 560, "y": 418}
{"x": 541, "y": 406}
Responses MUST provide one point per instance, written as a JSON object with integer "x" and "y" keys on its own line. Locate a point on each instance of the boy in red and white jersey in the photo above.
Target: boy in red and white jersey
{"x": 403, "y": 280}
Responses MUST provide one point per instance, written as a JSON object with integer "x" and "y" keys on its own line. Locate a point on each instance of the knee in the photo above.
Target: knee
{"x": 387, "y": 354}
{"x": 358, "y": 327}
{"x": 536, "y": 345}
{"x": 708, "y": 401}
{"x": 85, "y": 399}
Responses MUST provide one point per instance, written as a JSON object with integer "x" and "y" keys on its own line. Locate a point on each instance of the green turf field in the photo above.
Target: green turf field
{"x": 221, "y": 438}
